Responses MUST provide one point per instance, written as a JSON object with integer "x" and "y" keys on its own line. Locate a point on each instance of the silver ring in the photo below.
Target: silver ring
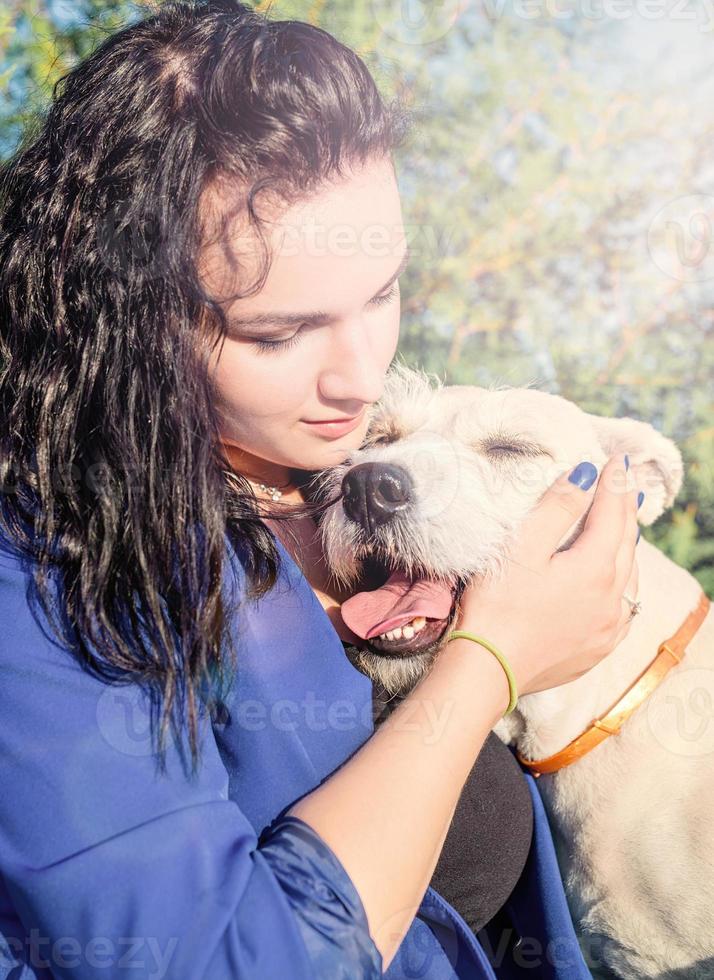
{"x": 635, "y": 605}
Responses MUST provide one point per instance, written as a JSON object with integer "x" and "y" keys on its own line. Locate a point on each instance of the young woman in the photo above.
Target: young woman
{"x": 192, "y": 782}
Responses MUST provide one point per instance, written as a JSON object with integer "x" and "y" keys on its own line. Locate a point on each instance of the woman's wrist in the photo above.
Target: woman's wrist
{"x": 473, "y": 668}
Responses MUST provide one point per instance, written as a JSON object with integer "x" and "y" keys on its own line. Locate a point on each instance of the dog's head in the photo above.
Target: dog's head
{"x": 435, "y": 496}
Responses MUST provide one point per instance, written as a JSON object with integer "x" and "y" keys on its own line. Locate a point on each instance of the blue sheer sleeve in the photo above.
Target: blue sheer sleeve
{"x": 330, "y": 913}
{"x": 109, "y": 868}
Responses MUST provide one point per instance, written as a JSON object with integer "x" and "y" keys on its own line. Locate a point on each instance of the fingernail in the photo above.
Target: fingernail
{"x": 639, "y": 532}
{"x": 640, "y": 498}
{"x": 584, "y": 475}
{"x": 627, "y": 462}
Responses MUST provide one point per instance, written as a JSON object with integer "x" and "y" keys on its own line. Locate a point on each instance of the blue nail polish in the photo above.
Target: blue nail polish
{"x": 584, "y": 475}
{"x": 639, "y": 532}
{"x": 640, "y": 498}
{"x": 627, "y": 462}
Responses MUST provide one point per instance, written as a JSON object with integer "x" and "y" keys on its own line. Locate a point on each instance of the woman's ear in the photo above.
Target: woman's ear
{"x": 655, "y": 460}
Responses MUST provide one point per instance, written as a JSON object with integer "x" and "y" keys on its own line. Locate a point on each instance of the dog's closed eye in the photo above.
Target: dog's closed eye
{"x": 512, "y": 448}
{"x": 382, "y": 433}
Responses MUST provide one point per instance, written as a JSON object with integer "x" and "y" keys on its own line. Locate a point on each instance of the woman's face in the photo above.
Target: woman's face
{"x": 329, "y": 319}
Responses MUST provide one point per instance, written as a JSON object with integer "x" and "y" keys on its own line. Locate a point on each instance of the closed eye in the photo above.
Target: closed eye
{"x": 276, "y": 345}
{"x": 381, "y": 436}
{"x": 513, "y": 449}
{"x": 385, "y": 297}
{"x": 507, "y": 449}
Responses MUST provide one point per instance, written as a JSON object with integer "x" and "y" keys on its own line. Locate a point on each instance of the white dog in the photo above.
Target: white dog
{"x": 431, "y": 500}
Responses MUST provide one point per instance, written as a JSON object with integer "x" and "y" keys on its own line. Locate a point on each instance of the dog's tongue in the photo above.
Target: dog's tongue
{"x": 396, "y": 602}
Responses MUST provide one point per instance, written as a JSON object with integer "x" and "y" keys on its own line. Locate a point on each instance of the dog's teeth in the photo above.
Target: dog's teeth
{"x": 405, "y": 632}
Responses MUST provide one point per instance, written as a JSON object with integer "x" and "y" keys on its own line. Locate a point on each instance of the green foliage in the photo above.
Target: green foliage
{"x": 550, "y": 191}
{"x": 39, "y": 41}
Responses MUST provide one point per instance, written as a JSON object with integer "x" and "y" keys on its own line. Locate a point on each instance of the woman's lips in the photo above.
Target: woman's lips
{"x": 335, "y": 429}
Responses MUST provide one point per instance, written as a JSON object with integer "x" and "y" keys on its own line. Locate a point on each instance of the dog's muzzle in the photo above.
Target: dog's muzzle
{"x": 399, "y": 613}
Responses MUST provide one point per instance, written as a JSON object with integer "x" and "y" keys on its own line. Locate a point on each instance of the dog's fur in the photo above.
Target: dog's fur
{"x": 631, "y": 820}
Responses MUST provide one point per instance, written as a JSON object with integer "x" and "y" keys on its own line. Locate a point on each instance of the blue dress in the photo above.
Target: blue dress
{"x": 111, "y": 869}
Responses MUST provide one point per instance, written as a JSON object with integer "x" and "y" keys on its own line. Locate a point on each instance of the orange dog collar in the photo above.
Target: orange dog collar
{"x": 669, "y": 653}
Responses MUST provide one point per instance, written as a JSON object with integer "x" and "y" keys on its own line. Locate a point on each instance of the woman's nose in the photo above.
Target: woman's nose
{"x": 355, "y": 372}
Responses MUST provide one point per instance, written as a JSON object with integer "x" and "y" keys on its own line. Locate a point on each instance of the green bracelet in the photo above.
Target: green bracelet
{"x": 501, "y": 659}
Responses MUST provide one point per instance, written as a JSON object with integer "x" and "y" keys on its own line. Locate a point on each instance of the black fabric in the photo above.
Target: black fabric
{"x": 490, "y": 835}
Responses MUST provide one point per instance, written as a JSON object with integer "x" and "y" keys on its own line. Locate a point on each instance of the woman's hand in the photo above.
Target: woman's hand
{"x": 555, "y": 615}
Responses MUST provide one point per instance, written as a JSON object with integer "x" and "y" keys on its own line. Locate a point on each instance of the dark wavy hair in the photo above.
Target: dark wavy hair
{"x": 110, "y": 462}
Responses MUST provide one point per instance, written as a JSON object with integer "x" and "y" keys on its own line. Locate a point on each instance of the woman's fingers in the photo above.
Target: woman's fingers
{"x": 630, "y": 587}
{"x": 560, "y": 507}
{"x": 607, "y": 520}
{"x": 627, "y": 553}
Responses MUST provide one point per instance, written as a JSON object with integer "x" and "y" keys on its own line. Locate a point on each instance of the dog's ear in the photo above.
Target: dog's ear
{"x": 655, "y": 460}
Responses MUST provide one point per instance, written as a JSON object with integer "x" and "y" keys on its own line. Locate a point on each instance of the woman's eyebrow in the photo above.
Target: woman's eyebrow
{"x": 317, "y": 317}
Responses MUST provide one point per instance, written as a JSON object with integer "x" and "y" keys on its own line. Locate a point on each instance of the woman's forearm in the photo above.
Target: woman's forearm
{"x": 386, "y": 812}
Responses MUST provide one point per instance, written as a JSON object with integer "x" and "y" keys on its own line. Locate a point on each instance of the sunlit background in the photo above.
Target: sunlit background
{"x": 558, "y": 189}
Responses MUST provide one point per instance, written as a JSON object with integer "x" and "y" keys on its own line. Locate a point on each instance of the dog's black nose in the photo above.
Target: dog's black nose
{"x": 374, "y": 492}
